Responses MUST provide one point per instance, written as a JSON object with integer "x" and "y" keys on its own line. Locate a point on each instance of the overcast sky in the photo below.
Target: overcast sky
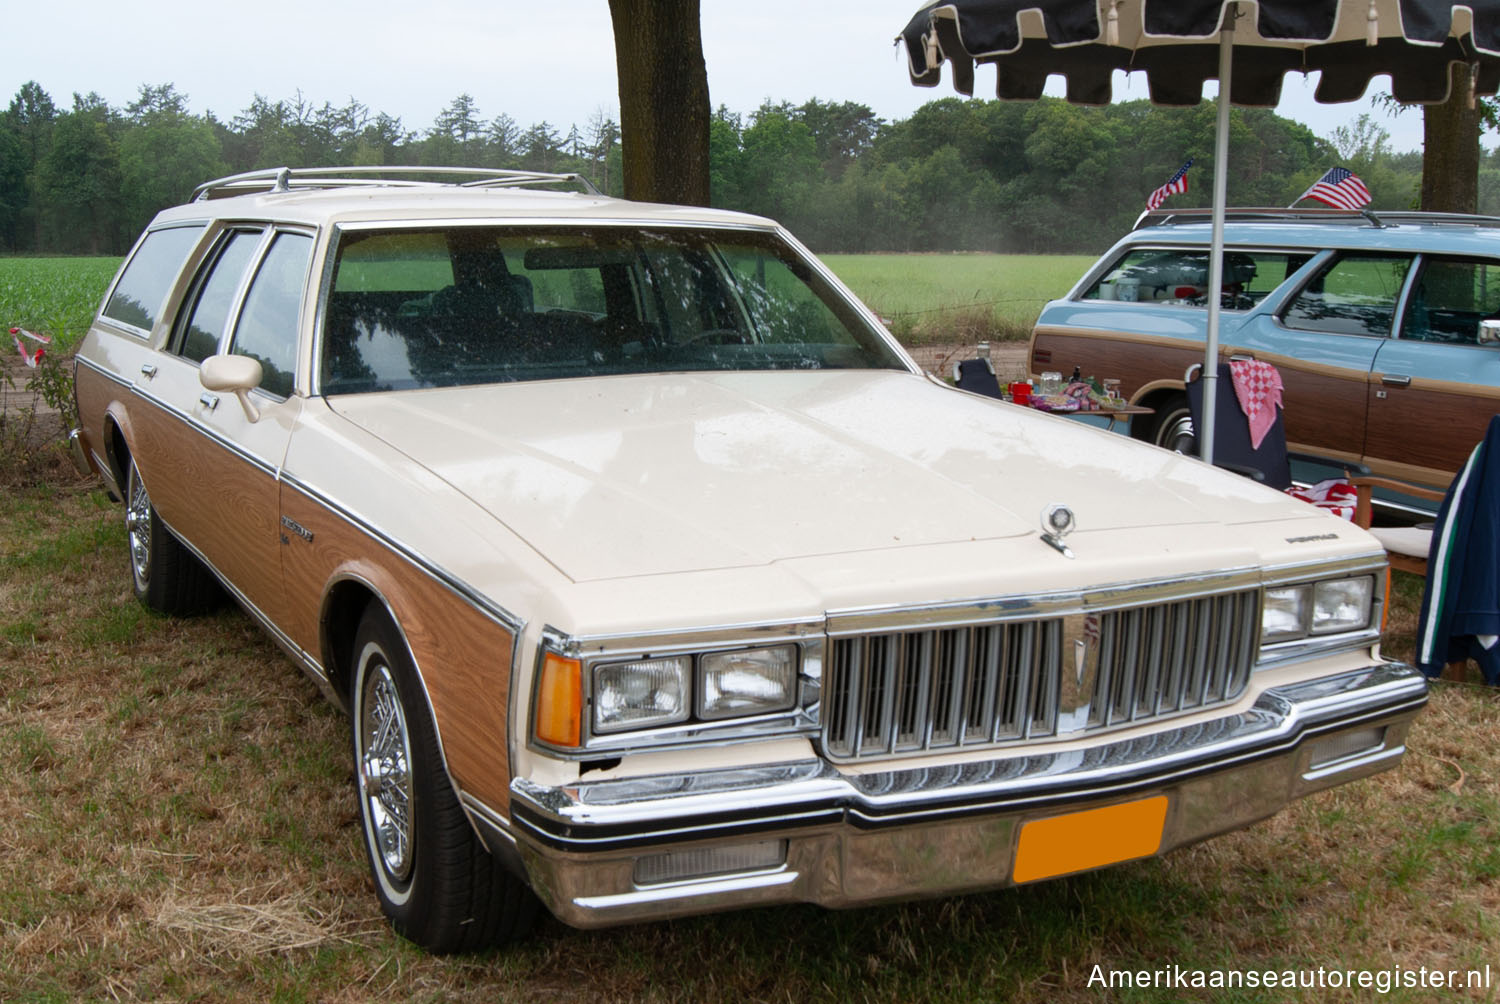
{"x": 535, "y": 62}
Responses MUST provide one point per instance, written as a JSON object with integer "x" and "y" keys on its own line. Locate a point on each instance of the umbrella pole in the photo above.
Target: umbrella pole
{"x": 1210, "y": 376}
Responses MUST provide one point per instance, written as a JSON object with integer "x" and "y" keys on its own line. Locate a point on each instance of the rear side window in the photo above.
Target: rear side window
{"x": 1355, "y": 295}
{"x": 215, "y": 296}
{"x": 1179, "y": 276}
{"x": 267, "y": 329}
{"x": 137, "y": 298}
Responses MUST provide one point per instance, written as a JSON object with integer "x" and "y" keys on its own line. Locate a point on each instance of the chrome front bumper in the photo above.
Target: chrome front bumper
{"x": 849, "y": 839}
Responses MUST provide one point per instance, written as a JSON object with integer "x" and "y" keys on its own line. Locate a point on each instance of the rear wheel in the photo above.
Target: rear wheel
{"x": 436, "y": 882}
{"x": 1173, "y": 428}
{"x": 167, "y": 576}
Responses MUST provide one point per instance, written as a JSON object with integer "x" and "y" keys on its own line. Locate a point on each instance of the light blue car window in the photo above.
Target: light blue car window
{"x": 1179, "y": 276}
{"x": 1450, "y": 298}
{"x": 1355, "y": 295}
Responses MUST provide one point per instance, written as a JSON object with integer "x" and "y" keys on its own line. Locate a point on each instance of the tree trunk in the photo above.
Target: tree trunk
{"x": 664, "y": 108}
{"x": 1450, "y": 149}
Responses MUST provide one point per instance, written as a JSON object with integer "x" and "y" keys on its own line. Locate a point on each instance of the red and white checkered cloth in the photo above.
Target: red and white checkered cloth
{"x": 1334, "y": 495}
{"x": 1258, "y": 387}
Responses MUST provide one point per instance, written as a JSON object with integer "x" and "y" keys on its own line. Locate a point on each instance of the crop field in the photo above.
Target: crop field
{"x": 57, "y": 296}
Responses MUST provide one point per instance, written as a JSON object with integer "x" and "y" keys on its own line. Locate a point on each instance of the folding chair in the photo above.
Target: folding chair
{"x": 978, "y": 376}
{"x": 1406, "y": 547}
{"x": 1267, "y": 463}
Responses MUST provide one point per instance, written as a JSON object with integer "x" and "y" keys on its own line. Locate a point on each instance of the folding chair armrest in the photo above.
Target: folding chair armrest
{"x": 1365, "y": 484}
{"x": 1404, "y": 487}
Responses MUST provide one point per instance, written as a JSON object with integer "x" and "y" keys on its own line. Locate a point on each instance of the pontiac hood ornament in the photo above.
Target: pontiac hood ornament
{"x": 1057, "y": 522}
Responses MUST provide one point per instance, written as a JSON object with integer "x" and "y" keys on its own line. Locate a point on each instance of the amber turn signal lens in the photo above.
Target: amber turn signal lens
{"x": 559, "y": 702}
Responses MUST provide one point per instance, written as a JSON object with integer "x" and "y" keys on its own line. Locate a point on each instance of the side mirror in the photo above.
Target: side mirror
{"x": 237, "y": 375}
{"x": 1489, "y": 332}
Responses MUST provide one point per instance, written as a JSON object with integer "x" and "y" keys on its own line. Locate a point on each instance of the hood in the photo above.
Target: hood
{"x": 639, "y": 475}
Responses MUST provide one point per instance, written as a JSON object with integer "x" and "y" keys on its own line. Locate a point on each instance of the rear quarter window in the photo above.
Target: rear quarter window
{"x": 1179, "y": 276}
{"x": 137, "y": 298}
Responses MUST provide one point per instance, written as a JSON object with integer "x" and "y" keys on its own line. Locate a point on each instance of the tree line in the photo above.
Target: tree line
{"x": 958, "y": 175}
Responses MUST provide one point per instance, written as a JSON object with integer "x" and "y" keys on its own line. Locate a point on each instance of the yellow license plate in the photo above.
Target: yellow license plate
{"x": 1078, "y": 841}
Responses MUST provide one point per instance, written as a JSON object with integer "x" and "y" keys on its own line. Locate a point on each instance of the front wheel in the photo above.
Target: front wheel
{"x": 436, "y": 882}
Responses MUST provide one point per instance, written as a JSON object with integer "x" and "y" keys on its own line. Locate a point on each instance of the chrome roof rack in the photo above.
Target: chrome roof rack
{"x": 1311, "y": 214}
{"x": 286, "y": 179}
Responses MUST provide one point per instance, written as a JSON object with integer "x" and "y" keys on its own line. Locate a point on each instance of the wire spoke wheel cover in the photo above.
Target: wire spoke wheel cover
{"x": 138, "y": 527}
{"x": 385, "y": 770}
{"x": 435, "y": 880}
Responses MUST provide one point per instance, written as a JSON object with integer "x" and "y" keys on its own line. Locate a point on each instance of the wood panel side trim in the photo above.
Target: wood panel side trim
{"x": 465, "y": 649}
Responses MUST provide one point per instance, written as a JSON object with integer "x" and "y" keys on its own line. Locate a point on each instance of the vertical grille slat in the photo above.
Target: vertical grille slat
{"x": 1001, "y": 683}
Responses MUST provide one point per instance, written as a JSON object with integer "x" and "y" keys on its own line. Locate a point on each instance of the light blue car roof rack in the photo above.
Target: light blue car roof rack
{"x": 286, "y": 179}
{"x": 1311, "y": 214}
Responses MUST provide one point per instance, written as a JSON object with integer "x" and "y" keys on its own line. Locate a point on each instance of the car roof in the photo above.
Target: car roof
{"x": 1316, "y": 228}
{"x": 322, "y": 198}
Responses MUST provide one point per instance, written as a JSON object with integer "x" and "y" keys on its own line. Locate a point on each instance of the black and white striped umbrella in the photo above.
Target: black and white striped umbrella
{"x": 1248, "y": 45}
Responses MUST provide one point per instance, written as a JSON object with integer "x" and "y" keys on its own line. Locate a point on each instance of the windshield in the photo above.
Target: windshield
{"x": 446, "y": 306}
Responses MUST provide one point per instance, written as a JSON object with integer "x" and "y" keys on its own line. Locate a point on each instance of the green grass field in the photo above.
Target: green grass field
{"x": 927, "y": 298}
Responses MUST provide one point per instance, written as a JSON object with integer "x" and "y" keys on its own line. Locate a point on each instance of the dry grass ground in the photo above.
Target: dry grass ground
{"x": 177, "y": 824}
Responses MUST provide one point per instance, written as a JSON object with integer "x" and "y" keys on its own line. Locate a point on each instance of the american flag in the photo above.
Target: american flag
{"x": 1340, "y": 188}
{"x": 1177, "y": 183}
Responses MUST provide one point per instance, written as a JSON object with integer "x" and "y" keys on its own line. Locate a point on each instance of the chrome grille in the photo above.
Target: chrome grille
{"x": 1008, "y": 682}
{"x": 1162, "y": 660}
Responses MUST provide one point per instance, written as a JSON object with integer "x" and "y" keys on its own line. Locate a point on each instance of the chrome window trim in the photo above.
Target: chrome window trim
{"x": 1335, "y": 255}
{"x": 203, "y": 272}
{"x": 1419, "y": 266}
{"x": 1095, "y": 274}
{"x": 100, "y": 317}
{"x": 830, "y": 279}
{"x": 272, "y": 232}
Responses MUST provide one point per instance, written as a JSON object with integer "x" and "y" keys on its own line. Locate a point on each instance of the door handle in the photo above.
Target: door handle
{"x": 209, "y": 401}
{"x": 1240, "y": 357}
{"x": 148, "y": 371}
{"x": 1395, "y": 380}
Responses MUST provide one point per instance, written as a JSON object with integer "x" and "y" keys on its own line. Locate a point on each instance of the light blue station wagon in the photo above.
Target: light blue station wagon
{"x": 1376, "y": 323}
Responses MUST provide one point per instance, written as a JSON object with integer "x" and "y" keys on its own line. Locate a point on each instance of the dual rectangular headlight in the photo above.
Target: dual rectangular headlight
{"x": 647, "y": 693}
{"x": 1312, "y": 609}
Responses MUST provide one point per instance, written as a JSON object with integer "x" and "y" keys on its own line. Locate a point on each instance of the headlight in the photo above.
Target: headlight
{"x": 1285, "y": 613}
{"x": 1316, "y": 608}
{"x": 635, "y": 695}
{"x": 748, "y": 682}
{"x": 1342, "y": 604}
{"x": 708, "y": 686}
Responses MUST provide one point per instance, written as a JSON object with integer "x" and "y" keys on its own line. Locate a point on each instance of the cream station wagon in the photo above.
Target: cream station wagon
{"x": 656, "y": 579}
